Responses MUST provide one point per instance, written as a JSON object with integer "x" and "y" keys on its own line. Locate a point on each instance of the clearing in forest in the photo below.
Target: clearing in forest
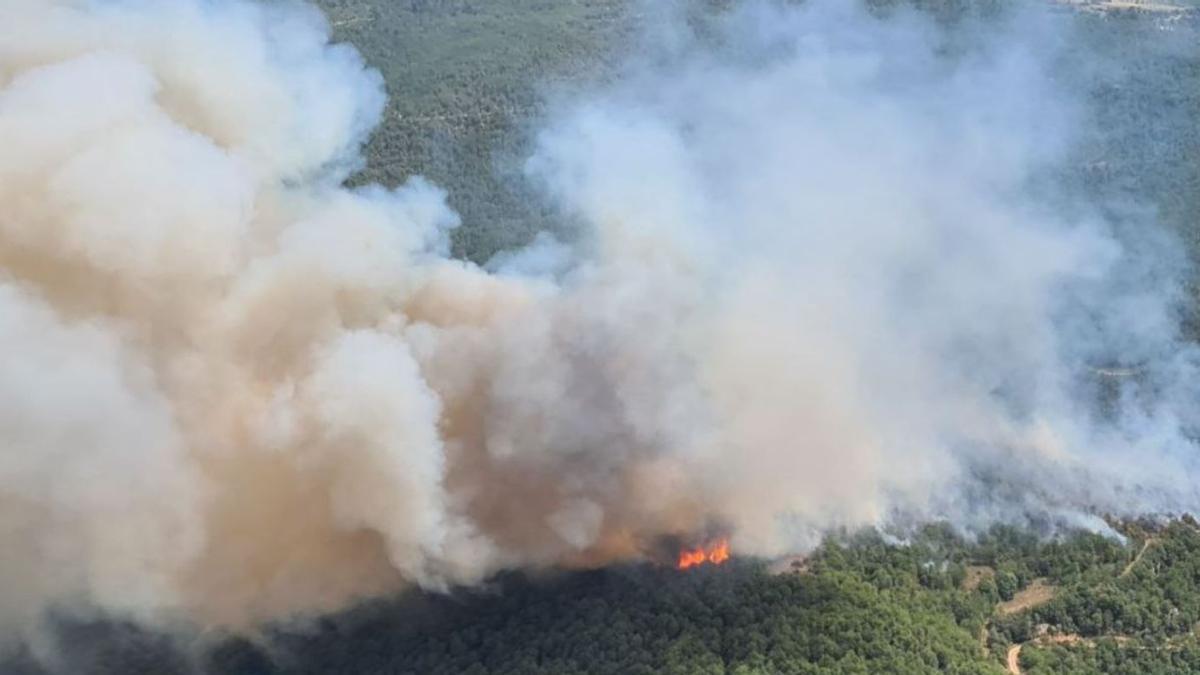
{"x": 975, "y": 576}
{"x": 1036, "y": 593}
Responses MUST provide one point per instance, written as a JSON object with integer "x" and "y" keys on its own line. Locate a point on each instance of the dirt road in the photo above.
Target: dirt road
{"x": 1137, "y": 558}
{"x": 1014, "y": 659}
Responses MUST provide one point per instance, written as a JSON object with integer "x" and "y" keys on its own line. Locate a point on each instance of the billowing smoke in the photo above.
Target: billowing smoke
{"x": 828, "y": 279}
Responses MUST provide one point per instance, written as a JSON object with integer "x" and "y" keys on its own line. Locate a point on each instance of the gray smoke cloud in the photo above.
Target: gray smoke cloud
{"x": 827, "y": 280}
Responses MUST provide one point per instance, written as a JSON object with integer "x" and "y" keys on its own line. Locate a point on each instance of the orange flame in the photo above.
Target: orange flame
{"x": 715, "y": 553}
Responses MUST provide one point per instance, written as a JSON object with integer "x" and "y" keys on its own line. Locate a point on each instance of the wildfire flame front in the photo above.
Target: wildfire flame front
{"x": 715, "y": 553}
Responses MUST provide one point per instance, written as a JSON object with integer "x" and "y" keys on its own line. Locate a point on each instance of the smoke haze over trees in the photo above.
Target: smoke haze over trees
{"x": 762, "y": 271}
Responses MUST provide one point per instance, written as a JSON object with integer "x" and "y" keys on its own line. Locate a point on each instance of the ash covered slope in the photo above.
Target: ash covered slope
{"x": 832, "y": 277}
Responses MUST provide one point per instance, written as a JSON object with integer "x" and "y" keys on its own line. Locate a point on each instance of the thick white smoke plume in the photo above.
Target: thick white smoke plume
{"x": 816, "y": 290}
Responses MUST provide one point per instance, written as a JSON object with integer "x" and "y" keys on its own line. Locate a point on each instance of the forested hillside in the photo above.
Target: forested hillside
{"x": 465, "y": 81}
{"x": 468, "y": 82}
{"x": 860, "y": 604}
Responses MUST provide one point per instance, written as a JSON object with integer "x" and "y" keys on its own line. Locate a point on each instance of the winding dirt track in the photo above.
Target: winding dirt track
{"x": 1014, "y": 659}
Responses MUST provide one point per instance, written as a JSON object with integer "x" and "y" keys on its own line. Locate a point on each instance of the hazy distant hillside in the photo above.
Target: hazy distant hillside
{"x": 464, "y": 78}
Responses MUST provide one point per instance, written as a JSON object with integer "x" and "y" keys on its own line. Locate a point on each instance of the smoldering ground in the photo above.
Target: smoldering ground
{"x": 832, "y": 275}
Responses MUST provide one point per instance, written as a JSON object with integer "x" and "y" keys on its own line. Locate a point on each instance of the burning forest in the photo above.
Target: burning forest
{"x": 715, "y": 553}
{"x": 822, "y": 269}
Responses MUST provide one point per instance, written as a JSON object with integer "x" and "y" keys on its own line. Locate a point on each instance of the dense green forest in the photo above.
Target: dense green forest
{"x": 467, "y": 83}
{"x": 862, "y": 603}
